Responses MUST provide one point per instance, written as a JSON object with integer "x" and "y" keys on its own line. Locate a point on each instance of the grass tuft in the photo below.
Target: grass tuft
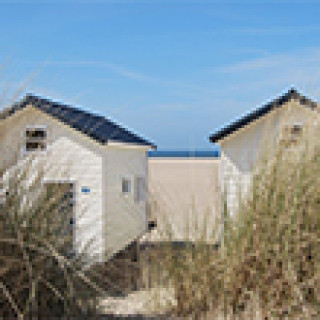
{"x": 268, "y": 264}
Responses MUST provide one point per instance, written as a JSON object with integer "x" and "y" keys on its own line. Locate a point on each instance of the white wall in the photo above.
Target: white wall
{"x": 184, "y": 197}
{"x": 125, "y": 219}
{"x": 243, "y": 150}
{"x": 71, "y": 156}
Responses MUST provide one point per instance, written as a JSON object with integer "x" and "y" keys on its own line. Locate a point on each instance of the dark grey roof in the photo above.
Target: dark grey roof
{"x": 96, "y": 127}
{"x": 256, "y": 114}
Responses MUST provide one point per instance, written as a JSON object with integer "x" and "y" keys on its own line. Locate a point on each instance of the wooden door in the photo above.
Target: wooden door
{"x": 63, "y": 204}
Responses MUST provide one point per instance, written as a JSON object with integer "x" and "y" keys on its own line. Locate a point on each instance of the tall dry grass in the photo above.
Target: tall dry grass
{"x": 268, "y": 264}
{"x": 41, "y": 276}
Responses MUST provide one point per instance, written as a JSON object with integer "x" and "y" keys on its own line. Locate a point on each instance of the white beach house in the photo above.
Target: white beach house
{"x": 102, "y": 164}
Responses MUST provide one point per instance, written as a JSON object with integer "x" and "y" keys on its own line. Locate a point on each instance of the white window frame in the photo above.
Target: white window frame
{"x": 25, "y": 138}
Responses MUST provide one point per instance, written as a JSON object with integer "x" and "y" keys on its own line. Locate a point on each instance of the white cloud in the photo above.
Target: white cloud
{"x": 119, "y": 69}
{"x": 174, "y": 85}
{"x": 304, "y": 58}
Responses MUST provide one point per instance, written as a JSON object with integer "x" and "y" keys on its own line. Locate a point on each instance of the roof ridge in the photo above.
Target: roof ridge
{"x": 105, "y": 129}
{"x": 86, "y": 112}
{"x": 256, "y": 113}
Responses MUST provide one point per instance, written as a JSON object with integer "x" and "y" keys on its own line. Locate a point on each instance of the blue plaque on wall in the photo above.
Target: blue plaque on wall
{"x": 85, "y": 189}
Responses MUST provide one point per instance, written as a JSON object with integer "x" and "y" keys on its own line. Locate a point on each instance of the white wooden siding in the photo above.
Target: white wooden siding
{"x": 125, "y": 219}
{"x": 184, "y": 195}
{"x": 243, "y": 150}
{"x": 70, "y": 157}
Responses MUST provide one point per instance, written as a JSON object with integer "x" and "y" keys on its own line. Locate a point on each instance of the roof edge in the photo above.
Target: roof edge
{"x": 243, "y": 121}
{"x": 34, "y": 100}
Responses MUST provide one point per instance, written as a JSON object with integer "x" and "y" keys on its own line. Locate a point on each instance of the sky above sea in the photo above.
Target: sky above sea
{"x": 174, "y": 71}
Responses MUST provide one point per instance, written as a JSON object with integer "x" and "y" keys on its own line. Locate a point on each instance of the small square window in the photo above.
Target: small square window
{"x": 291, "y": 134}
{"x": 36, "y": 133}
{"x": 35, "y": 138}
{"x": 126, "y": 186}
{"x": 296, "y": 129}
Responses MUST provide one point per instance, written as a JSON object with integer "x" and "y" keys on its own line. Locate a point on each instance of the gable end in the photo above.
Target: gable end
{"x": 292, "y": 94}
{"x": 96, "y": 127}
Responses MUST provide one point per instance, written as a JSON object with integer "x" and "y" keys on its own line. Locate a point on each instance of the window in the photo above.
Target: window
{"x": 126, "y": 185}
{"x": 140, "y": 189}
{"x": 291, "y": 134}
{"x": 35, "y": 138}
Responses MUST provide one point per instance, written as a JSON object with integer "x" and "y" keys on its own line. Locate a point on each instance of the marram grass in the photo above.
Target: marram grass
{"x": 268, "y": 263}
{"x": 40, "y": 275}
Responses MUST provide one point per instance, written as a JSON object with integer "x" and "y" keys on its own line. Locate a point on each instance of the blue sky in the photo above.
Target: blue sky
{"x": 172, "y": 70}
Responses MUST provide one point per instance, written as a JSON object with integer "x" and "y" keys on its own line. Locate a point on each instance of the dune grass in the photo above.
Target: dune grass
{"x": 40, "y": 274}
{"x": 268, "y": 263}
